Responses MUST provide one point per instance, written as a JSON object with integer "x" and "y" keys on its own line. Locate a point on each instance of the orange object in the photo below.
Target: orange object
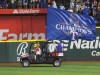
{"x": 54, "y": 54}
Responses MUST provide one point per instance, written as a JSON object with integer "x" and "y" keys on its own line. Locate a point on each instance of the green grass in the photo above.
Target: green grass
{"x": 68, "y": 68}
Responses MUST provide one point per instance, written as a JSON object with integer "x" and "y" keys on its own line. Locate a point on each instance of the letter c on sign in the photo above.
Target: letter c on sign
{"x": 93, "y": 53}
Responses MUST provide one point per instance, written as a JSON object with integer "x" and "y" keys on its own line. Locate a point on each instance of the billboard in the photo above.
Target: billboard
{"x": 23, "y": 11}
{"x": 22, "y": 27}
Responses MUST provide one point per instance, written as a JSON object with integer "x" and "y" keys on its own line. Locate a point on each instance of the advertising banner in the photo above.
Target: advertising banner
{"x": 22, "y": 28}
{"x": 23, "y": 11}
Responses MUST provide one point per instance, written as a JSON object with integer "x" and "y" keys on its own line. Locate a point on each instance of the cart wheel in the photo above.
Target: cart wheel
{"x": 56, "y": 63}
{"x": 25, "y": 63}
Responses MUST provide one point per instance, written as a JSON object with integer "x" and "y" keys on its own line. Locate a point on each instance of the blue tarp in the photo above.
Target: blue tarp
{"x": 64, "y": 25}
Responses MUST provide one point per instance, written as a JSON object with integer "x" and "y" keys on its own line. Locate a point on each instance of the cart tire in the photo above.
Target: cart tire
{"x": 56, "y": 63}
{"x": 25, "y": 63}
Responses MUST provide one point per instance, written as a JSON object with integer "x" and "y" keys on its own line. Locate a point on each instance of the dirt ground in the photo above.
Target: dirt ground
{"x": 10, "y": 64}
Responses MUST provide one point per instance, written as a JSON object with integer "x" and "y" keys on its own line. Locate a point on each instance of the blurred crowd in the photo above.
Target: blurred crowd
{"x": 87, "y": 7}
{"x": 5, "y": 4}
{"x": 91, "y": 7}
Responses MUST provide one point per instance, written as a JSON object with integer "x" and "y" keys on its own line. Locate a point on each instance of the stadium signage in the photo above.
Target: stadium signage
{"x": 21, "y": 49}
{"x": 75, "y": 28}
{"x": 6, "y": 35}
{"x": 24, "y": 11}
{"x": 95, "y": 53}
{"x": 78, "y": 44}
{"x": 82, "y": 44}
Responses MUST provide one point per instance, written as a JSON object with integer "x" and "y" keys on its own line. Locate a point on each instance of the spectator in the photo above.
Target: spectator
{"x": 19, "y": 3}
{"x": 37, "y": 3}
{"x": 86, "y": 11}
{"x": 3, "y": 4}
{"x": 94, "y": 7}
{"x": 43, "y": 4}
{"x": 77, "y": 7}
{"x": 33, "y": 4}
{"x": 82, "y": 7}
{"x": 12, "y": 3}
{"x": 62, "y": 7}
{"x": 9, "y": 4}
{"x": 87, "y": 3}
{"x": 25, "y": 3}
{"x": 70, "y": 10}
{"x": 0, "y": 6}
{"x": 30, "y": 3}
{"x": 49, "y": 2}
{"x": 15, "y": 3}
{"x": 72, "y": 5}
{"x": 54, "y": 5}
{"x": 98, "y": 13}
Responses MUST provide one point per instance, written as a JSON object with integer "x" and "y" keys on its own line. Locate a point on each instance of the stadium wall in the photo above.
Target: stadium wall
{"x": 19, "y": 28}
{"x": 33, "y": 27}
